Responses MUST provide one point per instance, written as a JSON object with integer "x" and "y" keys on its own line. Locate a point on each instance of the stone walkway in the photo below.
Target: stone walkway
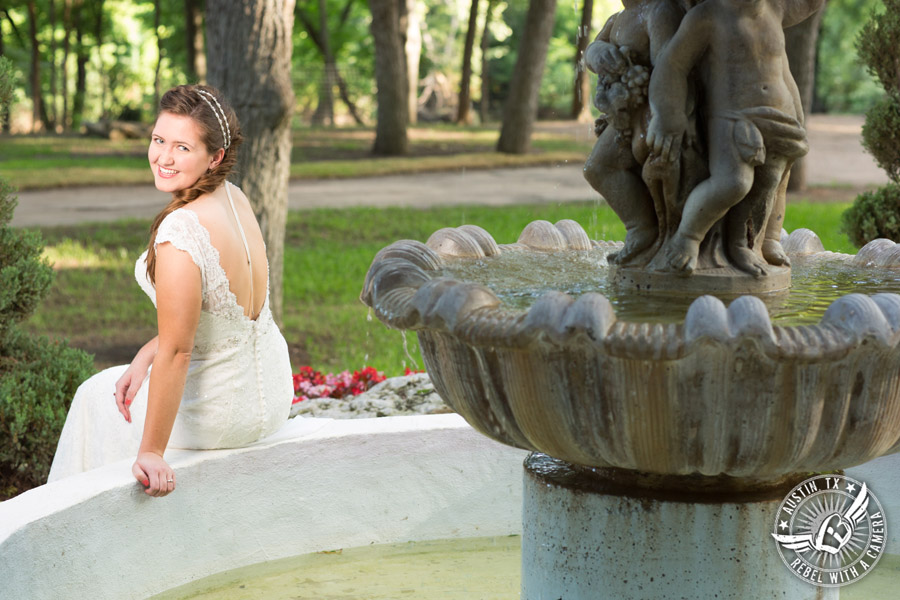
{"x": 836, "y": 161}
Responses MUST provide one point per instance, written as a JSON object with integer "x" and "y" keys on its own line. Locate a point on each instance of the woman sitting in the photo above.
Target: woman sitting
{"x": 219, "y": 373}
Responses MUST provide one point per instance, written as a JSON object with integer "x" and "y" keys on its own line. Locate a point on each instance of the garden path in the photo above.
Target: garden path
{"x": 838, "y": 169}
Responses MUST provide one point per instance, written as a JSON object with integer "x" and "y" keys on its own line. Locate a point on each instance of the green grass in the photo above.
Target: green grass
{"x": 328, "y": 252}
{"x": 47, "y": 161}
{"x": 825, "y": 220}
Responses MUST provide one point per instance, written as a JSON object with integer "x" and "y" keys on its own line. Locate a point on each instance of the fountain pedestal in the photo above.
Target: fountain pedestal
{"x": 597, "y": 534}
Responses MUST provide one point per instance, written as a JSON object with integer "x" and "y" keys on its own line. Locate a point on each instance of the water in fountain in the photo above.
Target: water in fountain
{"x": 519, "y": 278}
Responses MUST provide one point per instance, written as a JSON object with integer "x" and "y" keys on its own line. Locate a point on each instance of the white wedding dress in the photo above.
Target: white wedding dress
{"x": 238, "y": 386}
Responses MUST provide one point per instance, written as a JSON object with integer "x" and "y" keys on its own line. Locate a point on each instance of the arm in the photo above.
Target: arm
{"x": 178, "y": 301}
{"x": 797, "y": 11}
{"x": 669, "y": 82}
{"x": 601, "y": 55}
{"x": 131, "y": 380}
{"x": 662, "y": 24}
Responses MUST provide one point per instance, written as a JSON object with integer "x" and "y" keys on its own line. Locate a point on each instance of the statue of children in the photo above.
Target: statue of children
{"x": 622, "y": 55}
{"x": 754, "y": 118}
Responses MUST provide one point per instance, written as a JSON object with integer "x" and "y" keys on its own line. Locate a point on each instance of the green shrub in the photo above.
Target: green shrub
{"x": 873, "y": 215}
{"x": 24, "y": 276}
{"x": 877, "y": 45}
{"x": 877, "y": 214}
{"x": 38, "y": 378}
{"x": 881, "y": 135}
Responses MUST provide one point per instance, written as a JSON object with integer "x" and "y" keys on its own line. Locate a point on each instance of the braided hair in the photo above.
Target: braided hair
{"x": 219, "y": 128}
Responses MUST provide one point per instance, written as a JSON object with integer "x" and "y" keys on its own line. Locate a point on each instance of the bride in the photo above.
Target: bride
{"x": 219, "y": 374}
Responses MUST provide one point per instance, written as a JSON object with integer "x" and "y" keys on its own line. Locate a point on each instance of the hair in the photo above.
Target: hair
{"x": 187, "y": 101}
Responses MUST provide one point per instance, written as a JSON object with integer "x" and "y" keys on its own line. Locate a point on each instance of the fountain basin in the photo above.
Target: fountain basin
{"x": 722, "y": 394}
{"x": 316, "y": 485}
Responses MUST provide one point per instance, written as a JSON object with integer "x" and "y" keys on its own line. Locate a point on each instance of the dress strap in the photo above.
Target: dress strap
{"x": 246, "y": 246}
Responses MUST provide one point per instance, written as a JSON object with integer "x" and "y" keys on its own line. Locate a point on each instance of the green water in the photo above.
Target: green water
{"x": 519, "y": 278}
{"x": 468, "y": 569}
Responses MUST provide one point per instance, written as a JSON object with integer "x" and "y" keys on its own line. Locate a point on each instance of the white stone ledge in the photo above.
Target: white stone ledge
{"x": 318, "y": 484}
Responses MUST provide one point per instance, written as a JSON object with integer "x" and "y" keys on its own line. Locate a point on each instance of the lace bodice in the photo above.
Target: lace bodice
{"x": 182, "y": 228}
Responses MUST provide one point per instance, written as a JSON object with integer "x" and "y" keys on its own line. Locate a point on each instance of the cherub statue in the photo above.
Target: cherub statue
{"x": 622, "y": 55}
{"x": 754, "y": 124}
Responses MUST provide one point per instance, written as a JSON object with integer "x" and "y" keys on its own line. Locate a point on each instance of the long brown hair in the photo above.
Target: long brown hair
{"x": 187, "y": 101}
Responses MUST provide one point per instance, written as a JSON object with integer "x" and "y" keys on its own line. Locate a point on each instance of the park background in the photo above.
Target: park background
{"x": 87, "y": 75}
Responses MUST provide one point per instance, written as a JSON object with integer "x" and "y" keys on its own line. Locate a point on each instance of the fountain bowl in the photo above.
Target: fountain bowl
{"x": 722, "y": 394}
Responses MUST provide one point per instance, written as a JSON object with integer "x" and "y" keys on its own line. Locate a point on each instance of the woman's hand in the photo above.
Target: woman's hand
{"x": 128, "y": 385}
{"x": 154, "y": 473}
{"x": 131, "y": 380}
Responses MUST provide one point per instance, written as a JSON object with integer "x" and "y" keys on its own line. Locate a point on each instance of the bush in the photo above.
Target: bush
{"x": 877, "y": 45}
{"x": 874, "y": 214}
{"x": 877, "y": 214}
{"x": 38, "y": 378}
{"x": 881, "y": 135}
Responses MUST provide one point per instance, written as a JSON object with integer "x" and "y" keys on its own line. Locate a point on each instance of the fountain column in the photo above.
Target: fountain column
{"x": 597, "y": 534}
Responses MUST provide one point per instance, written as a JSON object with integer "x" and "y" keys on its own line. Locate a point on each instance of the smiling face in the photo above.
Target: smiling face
{"x": 177, "y": 154}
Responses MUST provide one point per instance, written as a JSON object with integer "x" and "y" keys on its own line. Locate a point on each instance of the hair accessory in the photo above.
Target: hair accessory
{"x": 223, "y": 122}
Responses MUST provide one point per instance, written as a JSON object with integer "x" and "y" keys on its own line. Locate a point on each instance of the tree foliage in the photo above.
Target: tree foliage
{"x": 877, "y": 214}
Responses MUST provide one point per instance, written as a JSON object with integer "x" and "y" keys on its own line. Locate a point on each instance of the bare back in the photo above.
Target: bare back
{"x": 215, "y": 214}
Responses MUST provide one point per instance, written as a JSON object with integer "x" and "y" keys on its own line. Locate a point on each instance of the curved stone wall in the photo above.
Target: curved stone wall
{"x": 318, "y": 484}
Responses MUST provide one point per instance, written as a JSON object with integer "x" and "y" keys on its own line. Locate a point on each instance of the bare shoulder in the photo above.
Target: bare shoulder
{"x": 665, "y": 11}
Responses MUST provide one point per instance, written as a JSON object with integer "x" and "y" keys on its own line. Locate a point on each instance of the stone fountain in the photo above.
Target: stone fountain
{"x": 661, "y": 451}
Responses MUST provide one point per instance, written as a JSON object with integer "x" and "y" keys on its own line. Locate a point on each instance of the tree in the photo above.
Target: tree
{"x": 800, "y": 45}
{"x": 37, "y": 101}
{"x": 485, "y": 104}
{"x": 328, "y": 52}
{"x": 876, "y": 213}
{"x": 581, "y": 107}
{"x": 193, "y": 37}
{"x": 521, "y": 106}
{"x": 251, "y": 41}
{"x": 390, "y": 78}
{"x": 412, "y": 46}
{"x": 462, "y": 109}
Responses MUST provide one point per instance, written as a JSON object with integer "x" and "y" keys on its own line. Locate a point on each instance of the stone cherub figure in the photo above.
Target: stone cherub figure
{"x": 622, "y": 55}
{"x": 753, "y": 119}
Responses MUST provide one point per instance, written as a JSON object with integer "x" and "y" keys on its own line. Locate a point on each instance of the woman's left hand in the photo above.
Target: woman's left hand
{"x": 154, "y": 473}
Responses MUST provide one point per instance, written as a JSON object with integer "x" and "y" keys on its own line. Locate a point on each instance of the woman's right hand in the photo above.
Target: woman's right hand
{"x": 128, "y": 385}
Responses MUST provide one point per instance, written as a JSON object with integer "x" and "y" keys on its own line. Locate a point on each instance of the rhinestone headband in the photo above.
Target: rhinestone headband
{"x": 223, "y": 122}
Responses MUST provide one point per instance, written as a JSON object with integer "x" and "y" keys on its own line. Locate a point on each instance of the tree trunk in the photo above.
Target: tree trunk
{"x": 81, "y": 59}
{"x": 485, "y": 105}
{"x": 800, "y": 45}
{"x": 521, "y": 106}
{"x": 251, "y": 43}
{"x": 35, "y": 69}
{"x": 53, "y": 117}
{"x": 64, "y": 72}
{"x": 413, "y": 48}
{"x": 193, "y": 31}
{"x": 324, "y": 114}
{"x": 581, "y": 109}
{"x": 98, "y": 40}
{"x": 390, "y": 78}
{"x": 462, "y": 109}
{"x": 159, "y": 53}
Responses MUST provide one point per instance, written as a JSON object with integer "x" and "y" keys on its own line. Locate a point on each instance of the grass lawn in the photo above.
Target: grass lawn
{"x": 47, "y": 161}
{"x": 96, "y": 304}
